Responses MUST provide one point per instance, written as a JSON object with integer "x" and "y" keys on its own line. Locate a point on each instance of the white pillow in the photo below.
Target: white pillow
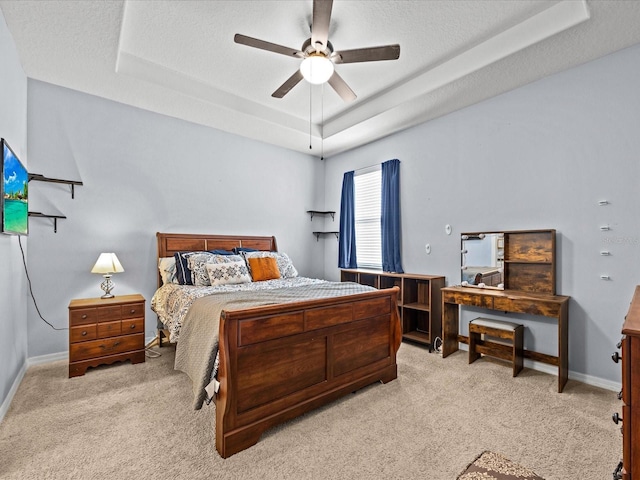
{"x": 285, "y": 265}
{"x": 167, "y": 269}
{"x": 228, "y": 273}
{"x": 198, "y": 261}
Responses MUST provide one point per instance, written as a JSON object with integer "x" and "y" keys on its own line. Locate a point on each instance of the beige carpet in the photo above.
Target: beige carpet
{"x": 135, "y": 422}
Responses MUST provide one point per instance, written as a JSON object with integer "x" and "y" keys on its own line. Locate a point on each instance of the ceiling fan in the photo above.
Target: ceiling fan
{"x": 318, "y": 56}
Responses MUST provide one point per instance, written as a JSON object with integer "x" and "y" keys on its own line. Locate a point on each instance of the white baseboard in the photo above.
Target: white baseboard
{"x": 51, "y": 357}
{"x": 579, "y": 377}
{"x": 4, "y": 408}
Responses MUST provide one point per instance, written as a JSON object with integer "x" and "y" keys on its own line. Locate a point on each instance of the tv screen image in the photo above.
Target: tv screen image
{"x": 15, "y": 193}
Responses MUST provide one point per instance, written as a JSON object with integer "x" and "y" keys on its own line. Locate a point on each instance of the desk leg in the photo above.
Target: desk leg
{"x": 449, "y": 328}
{"x": 563, "y": 346}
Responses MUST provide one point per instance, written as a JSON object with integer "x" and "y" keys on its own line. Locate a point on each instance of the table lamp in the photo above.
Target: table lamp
{"x": 107, "y": 265}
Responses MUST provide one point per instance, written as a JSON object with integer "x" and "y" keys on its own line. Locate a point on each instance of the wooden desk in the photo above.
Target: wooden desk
{"x": 553, "y": 306}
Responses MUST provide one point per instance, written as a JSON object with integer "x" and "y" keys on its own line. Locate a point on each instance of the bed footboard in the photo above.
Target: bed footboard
{"x": 278, "y": 362}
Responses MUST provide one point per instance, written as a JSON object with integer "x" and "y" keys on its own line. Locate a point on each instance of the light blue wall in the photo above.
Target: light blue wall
{"x": 538, "y": 157}
{"x": 13, "y": 291}
{"x": 144, "y": 173}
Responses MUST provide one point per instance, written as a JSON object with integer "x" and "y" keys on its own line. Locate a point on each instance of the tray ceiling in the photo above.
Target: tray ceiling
{"x": 178, "y": 58}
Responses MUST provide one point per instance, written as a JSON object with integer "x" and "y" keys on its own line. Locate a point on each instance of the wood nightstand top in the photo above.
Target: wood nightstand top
{"x": 99, "y": 302}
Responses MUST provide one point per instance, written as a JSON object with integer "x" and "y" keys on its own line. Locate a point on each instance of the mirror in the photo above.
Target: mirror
{"x": 482, "y": 261}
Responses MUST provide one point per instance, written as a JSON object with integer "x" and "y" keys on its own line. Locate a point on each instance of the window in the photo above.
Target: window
{"x": 368, "y": 188}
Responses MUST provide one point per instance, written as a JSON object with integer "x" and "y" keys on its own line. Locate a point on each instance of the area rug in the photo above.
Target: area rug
{"x": 489, "y": 465}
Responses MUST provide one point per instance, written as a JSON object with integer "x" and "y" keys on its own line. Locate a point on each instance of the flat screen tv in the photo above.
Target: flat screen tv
{"x": 14, "y": 192}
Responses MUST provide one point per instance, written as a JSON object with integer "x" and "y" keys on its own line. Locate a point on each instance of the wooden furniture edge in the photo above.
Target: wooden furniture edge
{"x": 235, "y": 430}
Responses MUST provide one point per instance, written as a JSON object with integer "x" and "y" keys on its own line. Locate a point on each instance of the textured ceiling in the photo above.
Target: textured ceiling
{"x": 178, "y": 58}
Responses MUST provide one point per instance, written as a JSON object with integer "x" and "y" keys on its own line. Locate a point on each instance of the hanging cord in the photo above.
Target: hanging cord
{"x": 322, "y": 123}
{"x": 310, "y": 87}
{"x": 24, "y": 262}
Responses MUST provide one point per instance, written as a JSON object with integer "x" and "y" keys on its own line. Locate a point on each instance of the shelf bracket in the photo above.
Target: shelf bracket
{"x": 43, "y": 215}
{"x": 318, "y": 212}
{"x": 41, "y": 178}
{"x": 317, "y": 234}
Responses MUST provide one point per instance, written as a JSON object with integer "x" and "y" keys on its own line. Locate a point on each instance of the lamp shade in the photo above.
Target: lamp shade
{"x": 316, "y": 68}
{"x": 107, "y": 263}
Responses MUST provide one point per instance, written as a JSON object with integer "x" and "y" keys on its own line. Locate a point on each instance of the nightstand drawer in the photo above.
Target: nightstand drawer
{"x": 107, "y": 346}
{"x": 83, "y": 315}
{"x": 133, "y": 310}
{"x": 109, "y": 329}
{"x": 135, "y": 325}
{"x": 82, "y": 333}
{"x": 107, "y": 314}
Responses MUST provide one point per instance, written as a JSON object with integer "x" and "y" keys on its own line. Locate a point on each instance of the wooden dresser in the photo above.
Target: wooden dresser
{"x": 103, "y": 331}
{"x": 629, "y": 469}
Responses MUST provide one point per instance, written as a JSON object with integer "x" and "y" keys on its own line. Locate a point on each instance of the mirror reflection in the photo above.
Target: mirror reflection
{"x": 482, "y": 260}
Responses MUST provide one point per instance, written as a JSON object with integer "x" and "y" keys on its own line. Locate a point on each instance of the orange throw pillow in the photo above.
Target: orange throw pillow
{"x": 263, "y": 268}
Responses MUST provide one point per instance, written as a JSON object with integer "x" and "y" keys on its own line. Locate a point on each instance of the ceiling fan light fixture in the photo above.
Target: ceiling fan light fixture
{"x": 316, "y": 68}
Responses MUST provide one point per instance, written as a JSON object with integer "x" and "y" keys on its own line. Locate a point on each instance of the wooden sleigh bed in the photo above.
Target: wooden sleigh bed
{"x": 280, "y": 361}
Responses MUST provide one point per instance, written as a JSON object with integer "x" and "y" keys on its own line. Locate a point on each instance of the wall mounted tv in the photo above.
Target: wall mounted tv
{"x": 14, "y": 192}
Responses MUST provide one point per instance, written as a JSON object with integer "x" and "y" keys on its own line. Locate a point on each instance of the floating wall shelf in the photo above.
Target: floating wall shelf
{"x": 319, "y": 212}
{"x": 41, "y": 178}
{"x": 317, "y": 234}
{"x": 44, "y": 215}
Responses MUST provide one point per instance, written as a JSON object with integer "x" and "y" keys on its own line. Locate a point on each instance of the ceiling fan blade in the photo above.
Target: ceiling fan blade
{"x": 268, "y": 46}
{"x": 341, "y": 87}
{"x": 291, "y": 82}
{"x": 320, "y": 24}
{"x": 372, "y": 54}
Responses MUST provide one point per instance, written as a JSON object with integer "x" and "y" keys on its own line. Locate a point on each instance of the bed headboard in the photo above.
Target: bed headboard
{"x": 170, "y": 243}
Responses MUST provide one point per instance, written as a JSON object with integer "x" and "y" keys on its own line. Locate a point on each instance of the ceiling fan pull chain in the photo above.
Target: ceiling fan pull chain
{"x": 310, "y": 86}
{"x": 322, "y": 123}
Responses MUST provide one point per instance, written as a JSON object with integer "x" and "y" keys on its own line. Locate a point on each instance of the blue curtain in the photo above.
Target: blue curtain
{"x": 390, "y": 217}
{"x": 347, "y": 240}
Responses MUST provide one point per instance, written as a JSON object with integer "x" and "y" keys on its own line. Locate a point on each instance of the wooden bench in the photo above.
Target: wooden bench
{"x": 497, "y": 329}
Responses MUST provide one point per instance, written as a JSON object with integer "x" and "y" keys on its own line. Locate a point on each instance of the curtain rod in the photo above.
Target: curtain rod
{"x": 370, "y": 167}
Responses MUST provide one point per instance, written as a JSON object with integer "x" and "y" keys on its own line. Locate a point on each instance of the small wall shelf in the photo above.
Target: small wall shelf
{"x": 41, "y": 178}
{"x": 317, "y": 234}
{"x": 319, "y": 212}
{"x": 43, "y": 215}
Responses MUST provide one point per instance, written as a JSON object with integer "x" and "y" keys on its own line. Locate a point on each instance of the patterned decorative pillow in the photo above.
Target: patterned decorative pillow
{"x": 167, "y": 269}
{"x": 182, "y": 267}
{"x": 285, "y": 265}
{"x": 199, "y": 261}
{"x": 228, "y": 273}
{"x": 263, "y": 268}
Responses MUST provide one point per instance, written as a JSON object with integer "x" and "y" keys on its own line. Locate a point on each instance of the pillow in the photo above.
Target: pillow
{"x": 227, "y": 273}
{"x": 221, "y": 252}
{"x": 239, "y": 250}
{"x": 197, "y": 266}
{"x": 183, "y": 273}
{"x": 167, "y": 269}
{"x": 285, "y": 265}
{"x": 263, "y": 268}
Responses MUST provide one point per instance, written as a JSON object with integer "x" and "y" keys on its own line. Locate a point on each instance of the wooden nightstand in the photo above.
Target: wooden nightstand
{"x": 103, "y": 331}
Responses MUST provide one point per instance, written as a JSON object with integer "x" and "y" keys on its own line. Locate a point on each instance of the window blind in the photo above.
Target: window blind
{"x": 368, "y": 191}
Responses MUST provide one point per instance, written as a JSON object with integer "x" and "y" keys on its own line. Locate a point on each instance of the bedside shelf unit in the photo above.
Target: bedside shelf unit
{"x": 419, "y": 300}
{"x": 104, "y": 331}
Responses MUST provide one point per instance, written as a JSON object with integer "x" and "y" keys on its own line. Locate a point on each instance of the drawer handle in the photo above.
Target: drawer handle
{"x": 84, "y": 315}
{"x": 133, "y": 310}
{"x": 616, "y": 357}
{"x": 104, "y": 347}
{"x": 84, "y": 333}
{"x": 616, "y": 418}
{"x": 133, "y": 325}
